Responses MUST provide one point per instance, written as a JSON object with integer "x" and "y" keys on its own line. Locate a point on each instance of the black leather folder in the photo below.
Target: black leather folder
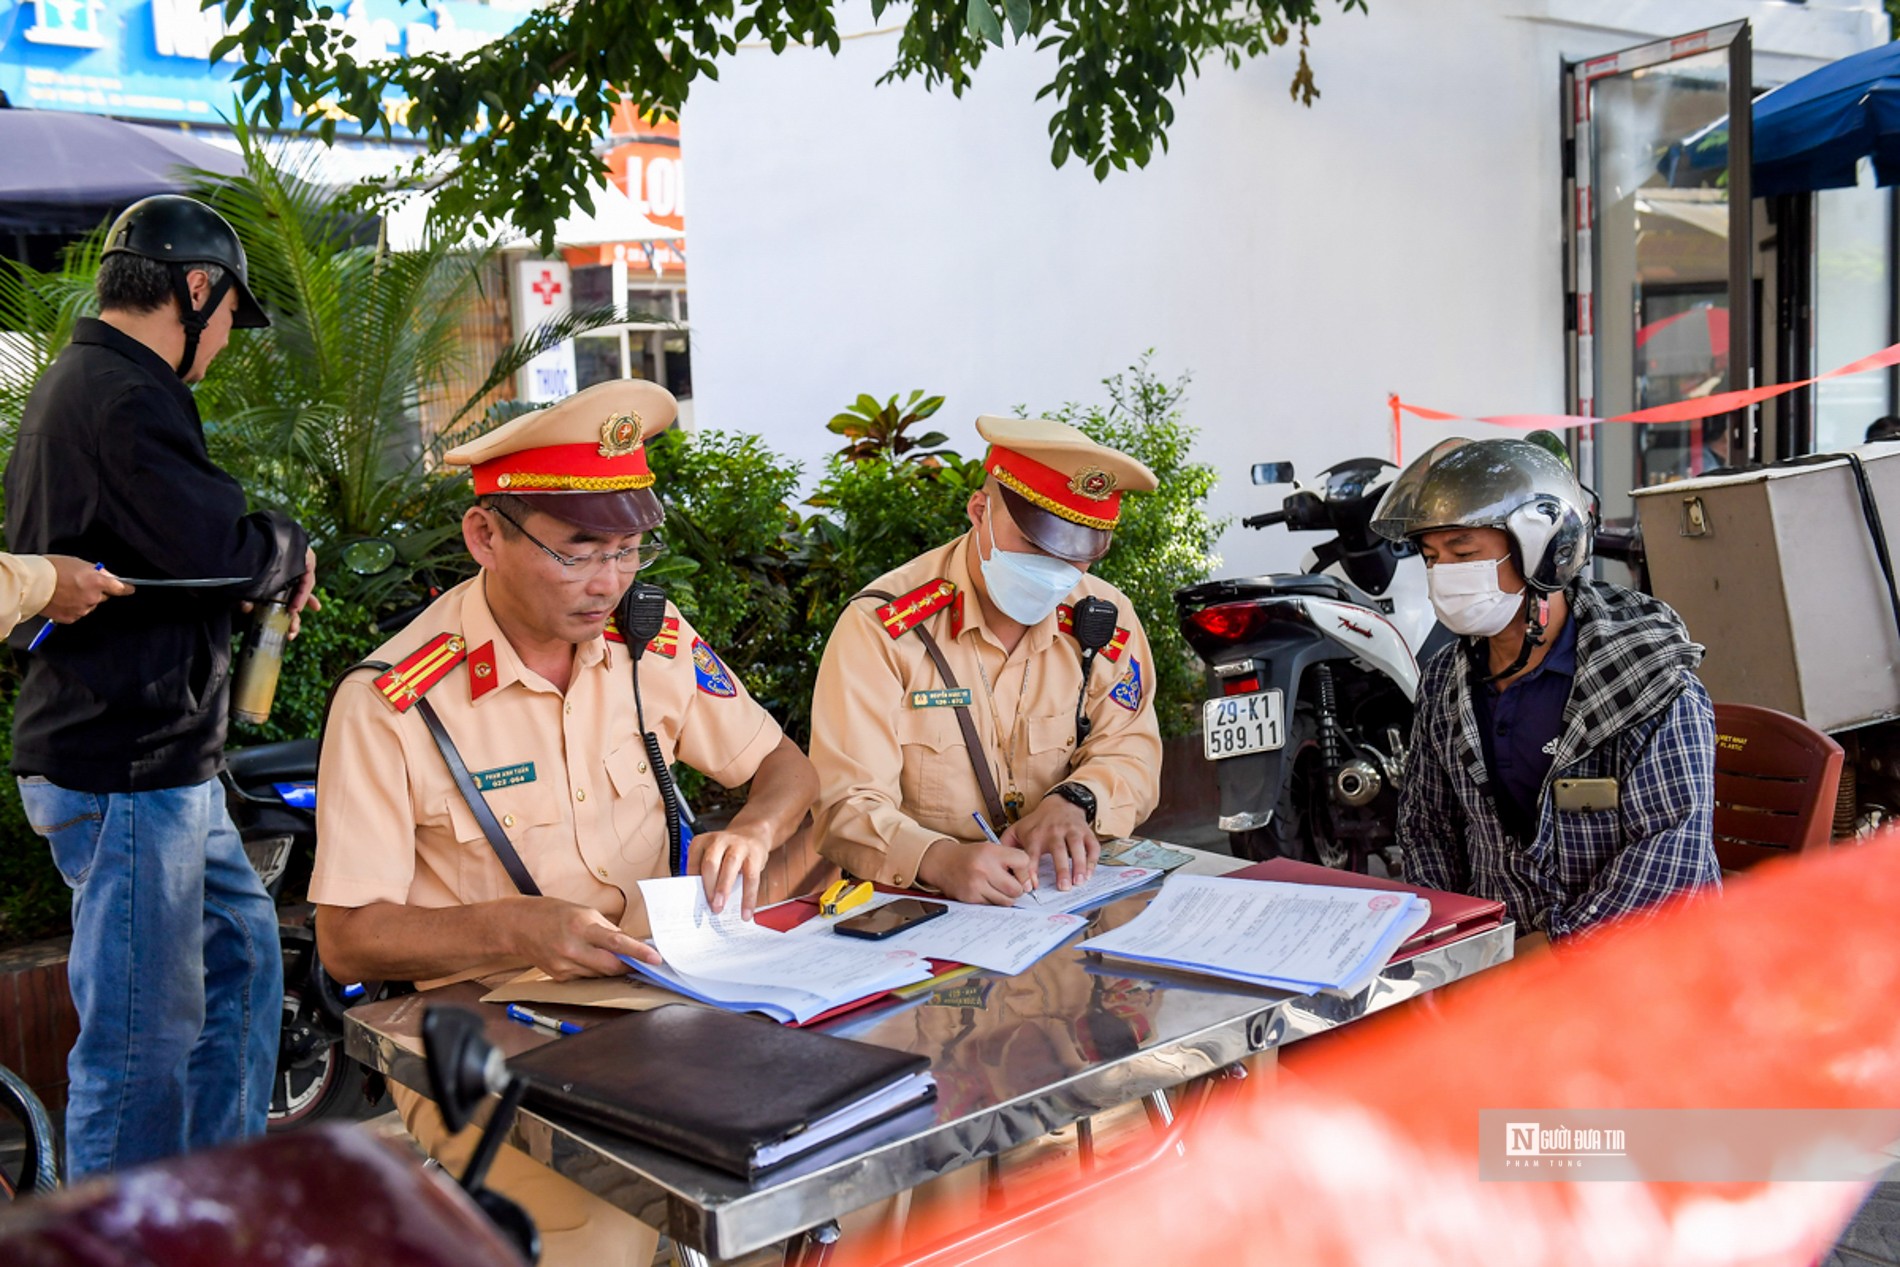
{"x": 734, "y": 1092}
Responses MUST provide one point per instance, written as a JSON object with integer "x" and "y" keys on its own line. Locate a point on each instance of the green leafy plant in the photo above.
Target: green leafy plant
{"x": 877, "y": 432}
{"x": 525, "y": 155}
{"x": 1165, "y": 540}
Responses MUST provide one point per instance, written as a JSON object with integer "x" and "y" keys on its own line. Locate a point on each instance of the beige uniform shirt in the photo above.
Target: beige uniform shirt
{"x": 893, "y": 775}
{"x": 565, "y": 774}
{"x": 26, "y": 586}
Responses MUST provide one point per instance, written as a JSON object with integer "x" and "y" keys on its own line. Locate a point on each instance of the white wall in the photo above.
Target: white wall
{"x": 1404, "y": 234}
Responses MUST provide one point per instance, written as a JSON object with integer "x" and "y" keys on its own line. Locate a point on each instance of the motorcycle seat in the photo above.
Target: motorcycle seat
{"x": 272, "y": 762}
{"x": 1310, "y": 585}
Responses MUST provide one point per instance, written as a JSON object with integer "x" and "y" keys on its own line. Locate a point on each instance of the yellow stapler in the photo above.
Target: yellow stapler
{"x": 844, "y": 896}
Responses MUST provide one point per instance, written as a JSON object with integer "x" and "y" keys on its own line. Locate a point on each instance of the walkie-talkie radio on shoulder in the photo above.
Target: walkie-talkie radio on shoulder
{"x": 640, "y": 616}
{"x": 1093, "y": 620}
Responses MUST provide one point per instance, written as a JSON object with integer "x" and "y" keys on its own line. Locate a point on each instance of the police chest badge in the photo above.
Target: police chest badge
{"x": 712, "y": 675}
{"x": 1127, "y": 692}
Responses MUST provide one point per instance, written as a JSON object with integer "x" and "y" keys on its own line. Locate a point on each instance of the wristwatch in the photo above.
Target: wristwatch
{"x": 1078, "y": 796}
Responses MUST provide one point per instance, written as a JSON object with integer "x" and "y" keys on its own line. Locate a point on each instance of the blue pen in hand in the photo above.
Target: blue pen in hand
{"x": 541, "y": 1021}
{"x": 47, "y": 628}
{"x": 988, "y": 831}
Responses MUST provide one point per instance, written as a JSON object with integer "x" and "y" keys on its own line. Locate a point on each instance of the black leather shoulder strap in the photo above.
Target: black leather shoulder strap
{"x": 464, "y": 783}
{"x": 972, "y": 742}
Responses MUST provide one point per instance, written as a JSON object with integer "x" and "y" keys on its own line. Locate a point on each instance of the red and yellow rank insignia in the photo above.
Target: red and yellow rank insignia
{"x": 1065, "y": 622}
{"x": 666, "y": 642}
{"x": 912, "y": 609}
{"x": 481, "y": 670}
{"x": 956, "y": 616}
{"x": 411, "y": 680}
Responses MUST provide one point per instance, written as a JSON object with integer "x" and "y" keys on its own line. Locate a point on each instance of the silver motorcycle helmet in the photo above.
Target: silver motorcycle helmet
{"x": 1518, "y": 486}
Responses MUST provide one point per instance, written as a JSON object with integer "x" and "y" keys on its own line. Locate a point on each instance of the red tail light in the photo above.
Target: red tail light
{"x": 1229, "y": 622}
{"x": 1239, "y": 685}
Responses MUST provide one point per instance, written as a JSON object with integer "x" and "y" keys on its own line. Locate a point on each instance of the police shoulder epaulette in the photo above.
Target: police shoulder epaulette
{"x": 1065, "y": 621}
{"x": 910, "y": 610}
{"x": 666, "y": 642}
{"x": 410, "y": 680}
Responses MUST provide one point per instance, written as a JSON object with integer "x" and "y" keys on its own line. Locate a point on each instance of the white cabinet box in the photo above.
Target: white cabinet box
{"x": 1775, "y": 572}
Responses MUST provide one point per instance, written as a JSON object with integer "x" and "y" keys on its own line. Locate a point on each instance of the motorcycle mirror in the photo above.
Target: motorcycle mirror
{"x": 369, "y": 556}
{"x": 1273, "y": 472}
{"x": 463, "y": 1067}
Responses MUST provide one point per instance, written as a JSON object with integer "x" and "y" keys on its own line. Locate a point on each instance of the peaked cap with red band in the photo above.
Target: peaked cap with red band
{"x": 1062, "y": 489}
{"x": 582, "y": 460}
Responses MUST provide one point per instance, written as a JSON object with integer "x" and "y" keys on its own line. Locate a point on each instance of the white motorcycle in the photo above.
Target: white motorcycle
{"x": 1313, "y": 677}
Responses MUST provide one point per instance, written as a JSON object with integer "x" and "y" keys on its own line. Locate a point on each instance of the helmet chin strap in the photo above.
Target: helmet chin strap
{"x": 1536, "y": 621}
{"x": 196, "y": 319}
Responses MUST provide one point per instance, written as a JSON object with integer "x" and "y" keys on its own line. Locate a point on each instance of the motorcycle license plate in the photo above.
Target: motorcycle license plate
{"x": 1238, "y": 724}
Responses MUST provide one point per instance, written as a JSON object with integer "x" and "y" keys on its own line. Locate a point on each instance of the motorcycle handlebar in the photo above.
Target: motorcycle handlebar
{"x": 1265, "y": 520}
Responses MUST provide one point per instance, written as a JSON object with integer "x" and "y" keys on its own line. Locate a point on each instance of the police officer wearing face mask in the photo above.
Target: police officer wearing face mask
{"x": 964, "y": 682}
{"x": 1589, "y": 791}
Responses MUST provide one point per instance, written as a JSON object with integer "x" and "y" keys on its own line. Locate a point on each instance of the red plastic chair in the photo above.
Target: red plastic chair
{"x": 1776, "y": 781}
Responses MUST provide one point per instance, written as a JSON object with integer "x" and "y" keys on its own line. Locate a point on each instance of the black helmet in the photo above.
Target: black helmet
{"x": 180, "y": 231}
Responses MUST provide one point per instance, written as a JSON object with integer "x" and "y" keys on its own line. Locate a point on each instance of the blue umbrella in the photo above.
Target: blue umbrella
{"x": 1811, "y": 134}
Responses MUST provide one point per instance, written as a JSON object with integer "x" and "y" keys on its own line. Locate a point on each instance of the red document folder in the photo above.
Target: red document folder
{"x": 1454, "y": 916}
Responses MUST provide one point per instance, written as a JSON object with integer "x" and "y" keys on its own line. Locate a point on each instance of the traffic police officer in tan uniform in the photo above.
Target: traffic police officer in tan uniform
{"x": 1002, "y": 606}
{"x": 535, "y": 691}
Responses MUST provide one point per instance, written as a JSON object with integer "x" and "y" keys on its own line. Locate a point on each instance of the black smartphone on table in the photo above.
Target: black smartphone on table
{"x": 889, "y": 919}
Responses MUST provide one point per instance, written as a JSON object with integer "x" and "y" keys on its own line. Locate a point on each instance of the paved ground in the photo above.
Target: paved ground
{"x": 1873, "y": 1238}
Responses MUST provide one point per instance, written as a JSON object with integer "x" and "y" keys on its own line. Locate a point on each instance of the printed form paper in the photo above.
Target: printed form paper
{"x": 998, "y": 938}
{"x": 724, "y": 947}
{"x": 1298, "y": 937}
{"x": 1105, "y": 884}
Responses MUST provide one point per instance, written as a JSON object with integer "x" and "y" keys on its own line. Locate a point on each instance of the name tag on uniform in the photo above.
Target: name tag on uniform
{"x": 503, "y": 776}
{"x": 959, "y": 698}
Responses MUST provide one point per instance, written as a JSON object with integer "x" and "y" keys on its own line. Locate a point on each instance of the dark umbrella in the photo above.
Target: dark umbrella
{"x": 64, "y": 173}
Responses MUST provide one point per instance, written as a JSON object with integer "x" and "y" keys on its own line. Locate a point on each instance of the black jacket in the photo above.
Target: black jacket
{"x": 110, "y": 465}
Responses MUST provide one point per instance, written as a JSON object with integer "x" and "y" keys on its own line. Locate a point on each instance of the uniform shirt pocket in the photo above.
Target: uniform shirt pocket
{"x": 519, "y": 809}
{"x": 638, "y": 818}
{"x": 936, "y": 771}
{"x": 1051, "y": 748}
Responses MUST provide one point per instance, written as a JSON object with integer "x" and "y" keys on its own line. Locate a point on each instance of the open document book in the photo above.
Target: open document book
{"x": 738, "y": 965}
{"x": 1297, "y": 937}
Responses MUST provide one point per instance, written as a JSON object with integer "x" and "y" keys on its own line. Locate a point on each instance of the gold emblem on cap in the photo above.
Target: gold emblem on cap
{"x": 619, "y": 435}
{"x": 1093, "y": 483}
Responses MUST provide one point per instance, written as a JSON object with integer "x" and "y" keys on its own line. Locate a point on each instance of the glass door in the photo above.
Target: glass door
{"x": 1662, "y": 257}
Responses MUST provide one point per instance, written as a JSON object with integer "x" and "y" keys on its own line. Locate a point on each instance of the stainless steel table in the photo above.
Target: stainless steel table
{"x": 1014, "y": 1057}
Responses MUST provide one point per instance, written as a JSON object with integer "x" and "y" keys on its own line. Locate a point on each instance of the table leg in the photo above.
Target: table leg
{"x": 687, "y": 1256}
{"x": 812, "y": 1248}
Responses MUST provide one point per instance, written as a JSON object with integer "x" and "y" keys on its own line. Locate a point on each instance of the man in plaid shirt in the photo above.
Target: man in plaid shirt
{"x": 1563, "y": 755}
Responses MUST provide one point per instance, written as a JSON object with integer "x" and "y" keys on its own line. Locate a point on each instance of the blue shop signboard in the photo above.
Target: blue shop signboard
{"x": 150, "y": 59}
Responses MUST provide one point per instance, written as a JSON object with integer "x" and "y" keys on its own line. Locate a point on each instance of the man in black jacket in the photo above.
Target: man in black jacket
{"x": 119, "y": 729}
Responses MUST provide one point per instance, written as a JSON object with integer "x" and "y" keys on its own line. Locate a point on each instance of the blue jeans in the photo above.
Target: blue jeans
{"x": 175, "y": 971}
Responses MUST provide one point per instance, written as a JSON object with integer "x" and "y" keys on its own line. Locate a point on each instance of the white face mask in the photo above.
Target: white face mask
{"x": 1468, "y": 600}
{"x": 1027, "y": 588}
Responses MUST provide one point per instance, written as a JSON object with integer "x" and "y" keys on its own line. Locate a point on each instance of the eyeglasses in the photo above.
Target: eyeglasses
{"x": 578, "y": 567}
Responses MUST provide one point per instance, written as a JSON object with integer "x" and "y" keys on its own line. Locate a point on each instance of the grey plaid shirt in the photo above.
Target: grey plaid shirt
{"x": 1636, "y": 714}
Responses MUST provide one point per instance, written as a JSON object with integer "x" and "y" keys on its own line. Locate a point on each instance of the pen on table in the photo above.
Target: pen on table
{"x": 541, "y": 1021}
{"x": 47, "y": 628}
